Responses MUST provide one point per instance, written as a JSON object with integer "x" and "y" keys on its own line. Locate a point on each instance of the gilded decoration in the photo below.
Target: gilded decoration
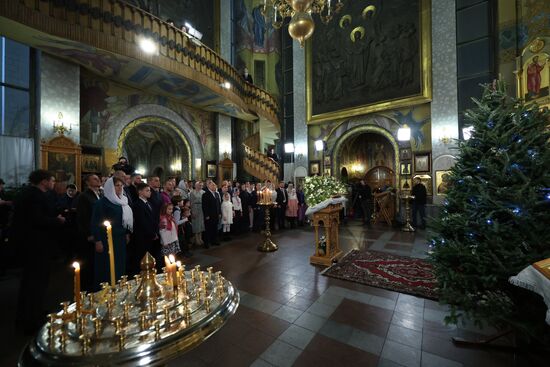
{"x": 62, "y": 157}
{"x": 355, "y": 66}
{"x": 533, "y": 72}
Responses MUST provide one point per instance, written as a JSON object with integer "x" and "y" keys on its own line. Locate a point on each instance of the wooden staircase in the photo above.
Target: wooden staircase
{"x": 257, "y": 164}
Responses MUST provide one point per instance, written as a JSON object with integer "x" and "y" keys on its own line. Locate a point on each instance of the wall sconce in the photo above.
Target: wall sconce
{"x": 147, "y": 45}
{"x": 319, "y": 145}
{"x": 289, "y": 147}
{"x": 444, "y": 138}
{"x": 300, "y": 150}
{"x": 141, "y": 170}
{"x": 357, "y": 168}
{"x": 59, "y": 127}
{"x": 225, "y": 85}
{"x": 176, "y": 166}
{"x": 404, "y": 133}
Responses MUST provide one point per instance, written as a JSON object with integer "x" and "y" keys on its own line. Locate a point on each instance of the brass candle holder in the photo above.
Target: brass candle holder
{"x": 136, "y": 321}
{"x": 267, "y": 245}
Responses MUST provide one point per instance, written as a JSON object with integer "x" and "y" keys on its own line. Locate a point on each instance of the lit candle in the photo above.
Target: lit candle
{"x": 173, "y": 270}
{"x": 107, "y": 224}
{"x": 76, "y": 267}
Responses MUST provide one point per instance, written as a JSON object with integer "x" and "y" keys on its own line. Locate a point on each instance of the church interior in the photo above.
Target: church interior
{"x": 275, "y": 183}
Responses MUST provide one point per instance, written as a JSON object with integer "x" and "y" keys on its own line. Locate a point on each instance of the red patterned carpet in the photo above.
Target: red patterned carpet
{"x": 383, "y": 270}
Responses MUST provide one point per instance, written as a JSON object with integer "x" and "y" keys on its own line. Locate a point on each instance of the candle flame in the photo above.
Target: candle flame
{"x": 76, "y": 265}
{"x": 178, "y": 264}
{"x": 107, "y": 224}
{"x": 171, "y": 258}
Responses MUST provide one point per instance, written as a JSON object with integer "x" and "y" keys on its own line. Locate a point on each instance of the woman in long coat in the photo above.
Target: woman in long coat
{"x": 197, "y": 216}
{"x": 113, "y": 206}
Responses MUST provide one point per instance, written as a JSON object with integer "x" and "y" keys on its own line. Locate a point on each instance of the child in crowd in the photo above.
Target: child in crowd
{"x": 292, "y": 206}
{"x": 187, "y": 227}
{"x": 179, "y": 205}
{"x": 168, "y": 230}
{"x": 227, "y": 214}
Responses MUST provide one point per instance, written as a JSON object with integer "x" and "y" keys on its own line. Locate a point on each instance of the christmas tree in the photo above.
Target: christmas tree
{"x": 495, "y": 218}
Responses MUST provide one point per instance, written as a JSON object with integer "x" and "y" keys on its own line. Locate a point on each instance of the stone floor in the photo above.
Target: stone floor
{"x": 290, "y": 315}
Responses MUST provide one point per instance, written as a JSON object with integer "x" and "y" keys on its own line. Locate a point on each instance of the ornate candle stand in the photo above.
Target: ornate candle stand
{"x": 408, "y": 226}
{"x": 146, "y": 321}
{"x": 267, "y": 245}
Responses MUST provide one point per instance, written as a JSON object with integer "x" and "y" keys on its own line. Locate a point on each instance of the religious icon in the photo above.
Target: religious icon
{"x": 405, "y": 168}
{"x": 327, "y": 171}
{"x": 422, "y": 162}
{"x": 90, "y": 163}
{"x": 534, "y": 77}
{"x": 533, "y": 73}
{"x": 405, "y": 154}
{"x": 314, "y": 167}
{"x": 327, "y": 161}
{"x": 211, "y": 170}
{"x": 442, "y": 182}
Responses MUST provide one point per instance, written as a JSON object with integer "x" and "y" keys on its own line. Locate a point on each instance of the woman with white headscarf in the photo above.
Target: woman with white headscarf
{"x": 113, "y": 206}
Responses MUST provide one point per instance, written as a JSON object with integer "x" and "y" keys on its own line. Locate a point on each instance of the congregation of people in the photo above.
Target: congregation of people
{"x": 169, "y": 219}
{"x": 173, "y": 218}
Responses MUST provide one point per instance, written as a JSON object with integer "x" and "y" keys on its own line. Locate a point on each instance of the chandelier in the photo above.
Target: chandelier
{"x": 301, "y": 24}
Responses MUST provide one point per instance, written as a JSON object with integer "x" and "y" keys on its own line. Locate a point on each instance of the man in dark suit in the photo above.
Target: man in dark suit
{"x": 211, "y": 208}
{"x": 35, "y": 224}
{"x": 135, "y": 179}
{"x": 282, "y": 200}
{"x": 419, "y": 204}
{"x": 246, "y": 202}
{"x": 145, "y": 228}
{"x": 86, "y": 246}
{"x": 156, "y": 203}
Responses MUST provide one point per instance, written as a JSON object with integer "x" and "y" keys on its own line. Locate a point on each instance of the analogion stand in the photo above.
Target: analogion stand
{"x": 329, "y": 219}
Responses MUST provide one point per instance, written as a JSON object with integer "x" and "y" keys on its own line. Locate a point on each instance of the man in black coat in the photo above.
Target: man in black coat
{"x": 419, "y": 204}
{"x": 145, "y": 229}
{"x": 282, "y": 200}
{"x": 364, "y": 195}
{"x": 86, "y": 246}
{"x": 211, "y": 209}
{"x": 35, "y": 224}
{"x": 123, "y": 165}
{"x": 131, "y": 190}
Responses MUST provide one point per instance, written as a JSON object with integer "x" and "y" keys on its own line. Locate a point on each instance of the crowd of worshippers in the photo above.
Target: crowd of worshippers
{"x": 160, "y": 218}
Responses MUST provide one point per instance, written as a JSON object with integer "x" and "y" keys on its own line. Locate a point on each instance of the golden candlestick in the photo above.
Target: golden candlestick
{"x": 77, "y": 299}
{"x": 268, "y": 245}
{"x": 107, "y": 225}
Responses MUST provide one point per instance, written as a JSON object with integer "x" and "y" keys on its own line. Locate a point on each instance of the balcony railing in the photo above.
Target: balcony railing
{"x": 120, "y": 25}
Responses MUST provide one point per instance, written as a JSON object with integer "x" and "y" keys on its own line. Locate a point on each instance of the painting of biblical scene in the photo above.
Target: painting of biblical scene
{"x": 63, "y": 166}
{"x": 369, "y": 53}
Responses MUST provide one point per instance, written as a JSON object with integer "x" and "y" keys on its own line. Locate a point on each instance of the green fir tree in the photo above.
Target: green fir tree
{"x": 496, "y": 216}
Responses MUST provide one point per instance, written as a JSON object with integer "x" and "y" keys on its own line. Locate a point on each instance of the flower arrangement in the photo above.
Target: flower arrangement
{"x": 321, "y": 188}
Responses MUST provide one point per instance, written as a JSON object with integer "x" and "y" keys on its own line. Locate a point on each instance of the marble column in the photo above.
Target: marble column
{"x": 444, "y": 104}
{"x": 300, "y": 122}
